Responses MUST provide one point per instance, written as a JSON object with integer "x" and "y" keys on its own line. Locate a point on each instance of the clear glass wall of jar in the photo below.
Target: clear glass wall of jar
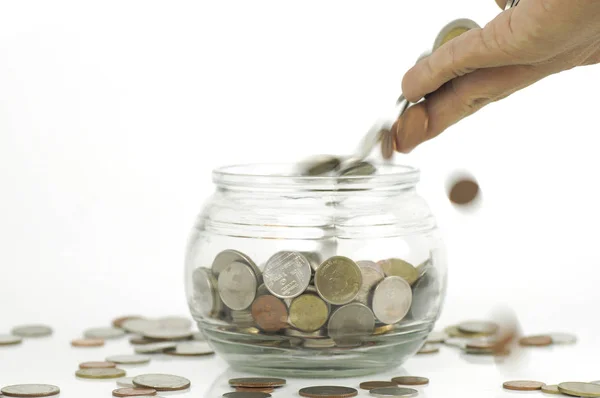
{"x": 315, "y": 276}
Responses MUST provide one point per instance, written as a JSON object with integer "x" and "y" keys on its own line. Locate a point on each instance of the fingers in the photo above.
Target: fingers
{"x": 474, "y": 49}
{"x": 459, "y": 98}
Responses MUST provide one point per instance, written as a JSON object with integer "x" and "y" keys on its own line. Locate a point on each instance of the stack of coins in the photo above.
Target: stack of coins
{"x": 311, "y": 305}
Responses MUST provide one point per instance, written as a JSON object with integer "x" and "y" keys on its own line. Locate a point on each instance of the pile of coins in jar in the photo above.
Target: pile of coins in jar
{"x": 317, "y": 304}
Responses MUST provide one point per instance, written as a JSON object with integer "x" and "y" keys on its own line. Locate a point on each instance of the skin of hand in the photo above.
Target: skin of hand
{"x": 521, "y": 46}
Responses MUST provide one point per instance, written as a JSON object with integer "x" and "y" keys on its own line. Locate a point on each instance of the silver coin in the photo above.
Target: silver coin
{"x": 154, "y": 348}
{"x": 237, "y": 286}
{"x": 318, "y": 343}
{"x": 228, "y": 257}
{"x": 372, "y": 274}
{"x": 168, "y": 334}
{"x": 313, "y": 258}
{"x": 393, "y": 392}
{"x": 319, "y": 165}
{"x": 563, "y": 338}
{"x": 9, "y": 339}
{"x": 328, "y": 391}
{"x": 349, "y": 323}
{"x": 173, "y": 322}
{"x": 206, "y": 301}
{"x": 240, "y": 394}
{"x": 30, "y": 390}
{"x": 457, "y": 342}
{"x": 287, "y": 274}
{"x": 128, "y": 359}
{"x": 32, "y": 331}
{"x": 242, "y": 318}
{"x": 193, "y": 349}
{"x": 319, "y": 334}
{"x": 139, "y": 326}
{"x": 199, "y": 336}
{"x": 478, "y": 327}
{"x": 456, "y": 25}
{"x": 104, "y": 333}
{"x": 437, "y": 337}
{"x": 392, "y": 300}
{"x": 126, "y": 382}
{"x": 360, "y": 168}
{"x": 162, "y": 382}
{"x": 427, "y": 295}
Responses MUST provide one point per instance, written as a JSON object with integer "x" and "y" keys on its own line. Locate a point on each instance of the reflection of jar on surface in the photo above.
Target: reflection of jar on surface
{"x": 352, "y": 270}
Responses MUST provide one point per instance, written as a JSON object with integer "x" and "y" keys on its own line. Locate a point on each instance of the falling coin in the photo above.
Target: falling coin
{"x": 269, "y": 313}
{"x": 369, "y": 385}
{"x": 8, "y": 339}
{"x": 100, "y": 373}
{"x": 536, "y": 341}
{"x": 523, "y": 385}
{"x": 133, "y": 392}
{"x": 30, "y": 390}
{"x": 162, "y": 382}
{"x": 257, "y": 382}
{"x": 32, "y": 331}
{"x": 429, "y": 349}
{"x": 411, "y": 381}
{"x": 104, "y": 333}
{"x": 97, "y": 365}
{"x": 463, "y": 191}
{"x": 394, "y": 392}
{"x": 87, "y": 343}
{"x": 328, "y": 392}
{"x": 552, "y": 389}
{"x": 388, "y": 144}
{"x": 191, "y": 349}
{"x": 361, "y": 168}
{"x": 129, "y": 359}
{"x": 563, "y": 338}
{"x": 477, "y": 327}
{"x": 320, "y": 164}
{"x": 580, "y": 389}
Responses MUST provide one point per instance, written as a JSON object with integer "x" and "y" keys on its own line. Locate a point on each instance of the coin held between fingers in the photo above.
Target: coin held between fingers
{"x": 411, "y": 128}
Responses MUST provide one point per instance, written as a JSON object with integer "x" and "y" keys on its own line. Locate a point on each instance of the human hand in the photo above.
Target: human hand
{"x": 518, "y": 48}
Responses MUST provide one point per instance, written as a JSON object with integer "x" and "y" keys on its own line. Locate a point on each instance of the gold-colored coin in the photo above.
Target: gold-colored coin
{"x": 453, "y": 30}
{"x": 454, "y": 331}
{"x": 552, "y": 389}
{"x": 523, "y": 385}
{"x": 379, "y": 330}
{"x": 338, "y": 280}
{"x": 308, "y": 313}
{"x": 580, "y": 389}
{"x": 100, "y": 373}
{"x": 401, "y": 268}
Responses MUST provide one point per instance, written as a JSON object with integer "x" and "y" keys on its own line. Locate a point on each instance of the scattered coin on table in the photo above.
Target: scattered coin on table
{"x": 385, "y": 392}
{"x": 411, "y": 381}
{"x": 478, "y": 327}
{"x": 97, "y": 365}
{"x": 241, "y": 394}
{"x": 133, "y": 392}
{"x": 523, "y": 385}
{"x": 552, "y": 389}
{"x": 139, "y": 340}
{"x": 191, "y": 349}
{"x": 267, "y": 390}
{"x": 155, "y": 348}
{"x": 464, "y": 190}
{"x": 30, "y": 390}
{"x": 118, "y": 322}
{"x": 107, "y": 333}
{"x": 162, "y": 382}
{"x": 437, "y": 337}
{"x": 126, "y": 382}
{"x": 578, "y": 389}
{"x": 101, "y": 373}
{"x": 168, "y": 334}
{"x": 328, "y": 392}
{"x": 257, "y": 382}
{"x": 369, "y": 385}
{"x": 9, "y": 339}
{"x": 87, "y": 343}
{"x": 32, "y": 331}
{"x": 429, "y": 349}
{"x": 128, "y": 359}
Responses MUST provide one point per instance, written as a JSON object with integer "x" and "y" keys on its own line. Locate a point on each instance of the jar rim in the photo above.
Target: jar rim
{"x": 287, "y": 175}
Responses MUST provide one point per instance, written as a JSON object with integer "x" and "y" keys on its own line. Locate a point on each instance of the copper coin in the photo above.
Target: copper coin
{"x": 369, "y": 385}
{"x": 97, "y": 365}
{"x": 270, "y": 313}
{"x": 523, "y": 385}
{"x": 411, "y": 381}
{"x": 328, "y": 392}
{"x": 388, "y": 144}
{"x": 257, "y": 382}
{"x": 87, "y": 343}
{"x": 463, "y": 191}
{"x": 118, "y": 322}
{"x": 266, "y": 390}
{"x": 412, "y": 128}
{"x": 536, "y": 341}
{"x": 133, "y": 392}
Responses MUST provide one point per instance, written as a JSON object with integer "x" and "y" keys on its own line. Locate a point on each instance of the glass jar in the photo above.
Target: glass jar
{"x": 315, "y": 276}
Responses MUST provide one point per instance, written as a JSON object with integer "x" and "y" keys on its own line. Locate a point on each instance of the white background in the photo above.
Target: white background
{"x": 113, "y": 114}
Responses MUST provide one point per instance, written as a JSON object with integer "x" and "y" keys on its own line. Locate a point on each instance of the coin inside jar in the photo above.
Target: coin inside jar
{"x": 401, "y": 268}
{"x": 206, "y": 300}
{"x": 237, "y": 286}
{"x": 338, "y": 280}
{"x": 287, "y": 274}
{"x": 349, "y": 323}
{"x": 392, "y": 300}
{"x": 372, "y": 274}
{"x": 308, "y": 313}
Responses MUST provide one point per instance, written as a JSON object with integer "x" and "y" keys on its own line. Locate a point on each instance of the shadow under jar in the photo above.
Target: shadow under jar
{"x": 315, "y": 276}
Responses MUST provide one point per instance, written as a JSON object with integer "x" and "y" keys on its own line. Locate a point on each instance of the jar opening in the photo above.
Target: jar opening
{"x": 287, "y": 176}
